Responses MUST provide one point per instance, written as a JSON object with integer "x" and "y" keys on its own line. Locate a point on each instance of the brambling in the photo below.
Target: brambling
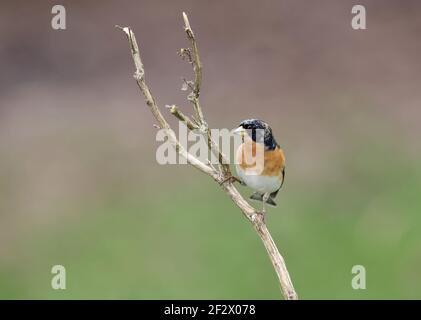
{"x": 265, "y": 177}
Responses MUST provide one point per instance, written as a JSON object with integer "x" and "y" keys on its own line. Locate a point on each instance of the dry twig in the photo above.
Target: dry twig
{"x": 223, "y": 172}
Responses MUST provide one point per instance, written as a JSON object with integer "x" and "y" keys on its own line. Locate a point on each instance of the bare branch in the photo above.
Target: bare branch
{"x": 182, "y": 117}
{"x": 255, "y": 217}
{"x": 197, "y": 65}
{"x": 194, "y": 58}
{"x": 257, "y": 220}
{"x": 139, "y": 75}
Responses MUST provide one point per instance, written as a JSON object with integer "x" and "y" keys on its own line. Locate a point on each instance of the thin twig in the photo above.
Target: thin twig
{"x": 182, "y": 117}
{"x": 194, "y": 58}
{"x": 197, "y": 67}
{"x": 139, "y": 76}
{"x": 255, "y": 217}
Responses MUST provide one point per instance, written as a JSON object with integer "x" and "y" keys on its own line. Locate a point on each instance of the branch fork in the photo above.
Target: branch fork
{"x": 222, "y": 173}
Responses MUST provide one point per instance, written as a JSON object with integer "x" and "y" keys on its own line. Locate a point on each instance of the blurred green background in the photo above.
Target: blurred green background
{"x": 80, "y": 187}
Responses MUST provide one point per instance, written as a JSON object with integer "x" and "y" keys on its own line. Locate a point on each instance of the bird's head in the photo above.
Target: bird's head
{"x": 259, "y": 131}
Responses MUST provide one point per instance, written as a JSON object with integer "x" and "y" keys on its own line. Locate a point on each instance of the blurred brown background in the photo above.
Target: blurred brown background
{"x": 79, "y": 184}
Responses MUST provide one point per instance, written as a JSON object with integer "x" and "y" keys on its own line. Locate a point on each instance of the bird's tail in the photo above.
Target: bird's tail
{"x": 259, "y": 197}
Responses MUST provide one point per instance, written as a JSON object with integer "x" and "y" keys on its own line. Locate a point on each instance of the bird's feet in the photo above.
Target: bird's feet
{"x": 232, "y": 179}
{"x": 263, "y": 214}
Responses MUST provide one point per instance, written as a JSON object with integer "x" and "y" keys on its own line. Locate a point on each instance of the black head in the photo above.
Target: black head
{"x": 260, "y": 132}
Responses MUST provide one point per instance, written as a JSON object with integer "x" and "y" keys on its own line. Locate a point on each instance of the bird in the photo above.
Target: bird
{"x": 265, "y": 177}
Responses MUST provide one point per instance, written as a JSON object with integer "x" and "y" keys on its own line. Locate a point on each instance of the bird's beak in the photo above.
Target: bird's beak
{"x": 240, "y": 131}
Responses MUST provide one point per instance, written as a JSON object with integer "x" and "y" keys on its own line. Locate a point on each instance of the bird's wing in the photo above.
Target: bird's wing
{"x": 283, "y": 177}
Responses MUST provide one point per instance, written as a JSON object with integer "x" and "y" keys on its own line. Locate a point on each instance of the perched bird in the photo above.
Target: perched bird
{"x": 265, "y": 175}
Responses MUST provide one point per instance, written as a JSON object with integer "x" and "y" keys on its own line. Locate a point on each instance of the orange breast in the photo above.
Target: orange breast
{"x": 273, "y": 160}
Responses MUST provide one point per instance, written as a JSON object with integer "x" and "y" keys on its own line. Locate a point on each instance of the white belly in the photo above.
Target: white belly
{"x": 261, "y": 184}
